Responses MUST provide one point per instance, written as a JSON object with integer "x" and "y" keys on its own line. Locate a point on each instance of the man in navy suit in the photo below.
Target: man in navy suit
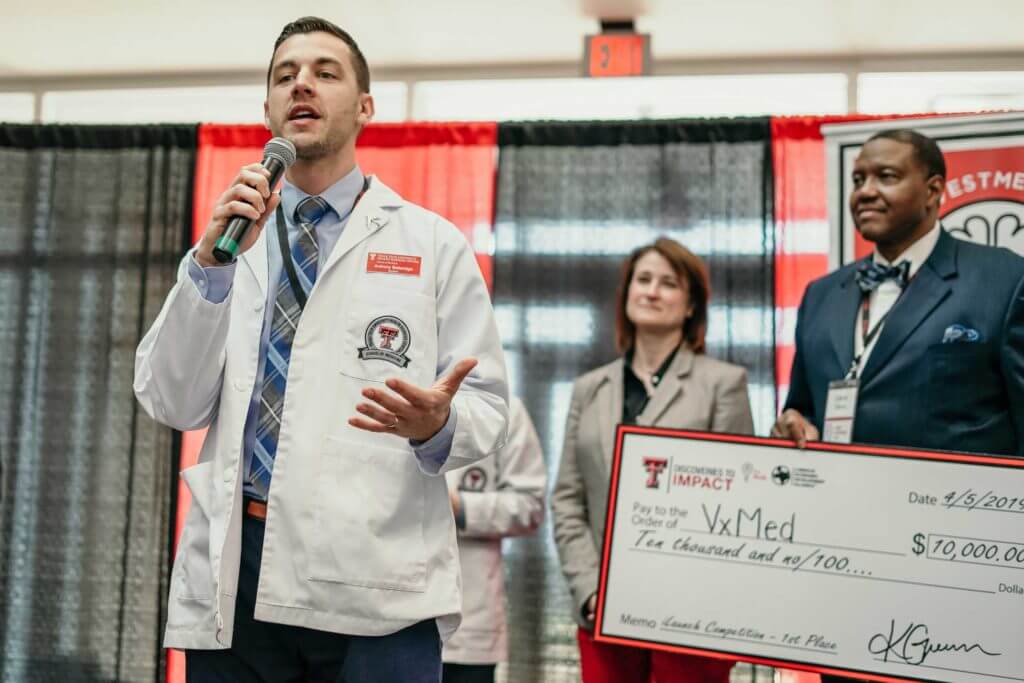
{"x": 945, "y": 369}
{"x": 931, "y": 327}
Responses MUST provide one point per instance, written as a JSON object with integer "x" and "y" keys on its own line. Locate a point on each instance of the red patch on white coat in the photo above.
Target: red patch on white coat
{"x": 394, "y": 264}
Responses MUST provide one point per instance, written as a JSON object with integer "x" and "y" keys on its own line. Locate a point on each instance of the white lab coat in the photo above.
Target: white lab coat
{"x": 502, "y": 495}
{"x": 360, "y": 537}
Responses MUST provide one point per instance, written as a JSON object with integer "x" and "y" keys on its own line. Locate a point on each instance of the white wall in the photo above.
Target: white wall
{"x": 680, "y": 89}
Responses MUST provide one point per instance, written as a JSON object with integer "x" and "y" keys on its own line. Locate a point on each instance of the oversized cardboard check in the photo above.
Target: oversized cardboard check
{"x": 891, "y": 564}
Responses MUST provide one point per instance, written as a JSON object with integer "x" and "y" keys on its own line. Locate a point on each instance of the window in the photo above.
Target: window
{"x": 629, "y": 98}
{"x": 913, "y": 93}
{"x": 220, "y": 104}
{"x": 17, "y": 107}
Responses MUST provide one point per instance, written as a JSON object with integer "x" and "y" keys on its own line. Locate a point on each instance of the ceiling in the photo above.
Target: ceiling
{"x": 53, "y": 38}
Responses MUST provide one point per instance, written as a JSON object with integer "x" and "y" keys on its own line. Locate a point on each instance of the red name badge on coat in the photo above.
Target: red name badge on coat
{"x": 394, "y": 264}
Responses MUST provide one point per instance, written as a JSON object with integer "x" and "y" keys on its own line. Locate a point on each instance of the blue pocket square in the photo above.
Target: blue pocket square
{"x": 955, "y": 334}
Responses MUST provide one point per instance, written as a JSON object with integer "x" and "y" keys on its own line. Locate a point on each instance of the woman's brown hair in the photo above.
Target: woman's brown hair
{"x": 691, "y": 270}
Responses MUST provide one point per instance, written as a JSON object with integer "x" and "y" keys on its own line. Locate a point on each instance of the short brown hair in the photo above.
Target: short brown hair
{"x": 318, "y": 25}
{"x": 690, "y": 269}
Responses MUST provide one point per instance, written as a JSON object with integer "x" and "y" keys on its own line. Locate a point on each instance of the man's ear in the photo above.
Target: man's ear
{"x": 366, "y": 108}
{"x": 936, "y": 186}
{"x": 266, "y": 115}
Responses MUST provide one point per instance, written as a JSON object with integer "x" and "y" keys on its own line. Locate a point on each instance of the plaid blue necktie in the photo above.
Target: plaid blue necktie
{"x": 870, "y": 274}
{"x": 287, "y": 312}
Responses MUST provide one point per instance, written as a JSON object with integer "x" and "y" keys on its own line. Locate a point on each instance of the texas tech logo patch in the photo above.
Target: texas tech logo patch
{"x": 387, "y": 338}
{"x": 475, "y": 479}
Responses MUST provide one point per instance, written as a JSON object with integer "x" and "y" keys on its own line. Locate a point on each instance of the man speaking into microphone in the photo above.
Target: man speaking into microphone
{"x": 344, "y": 361}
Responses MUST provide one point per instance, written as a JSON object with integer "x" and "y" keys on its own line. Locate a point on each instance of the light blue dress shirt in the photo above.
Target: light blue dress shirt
{"x": 214, "y": 284}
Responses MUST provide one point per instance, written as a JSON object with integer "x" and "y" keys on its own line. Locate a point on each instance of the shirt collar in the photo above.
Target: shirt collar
{"x": 659, "y": 373}
{"x": 917, "y": 253}
{"x": 341, "y": 196}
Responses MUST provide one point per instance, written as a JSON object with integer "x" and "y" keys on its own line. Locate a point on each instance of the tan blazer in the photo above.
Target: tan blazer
{"x": 697, "y": 392}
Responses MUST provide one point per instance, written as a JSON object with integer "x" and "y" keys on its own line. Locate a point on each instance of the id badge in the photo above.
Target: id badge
{"x": 840, "y": 410}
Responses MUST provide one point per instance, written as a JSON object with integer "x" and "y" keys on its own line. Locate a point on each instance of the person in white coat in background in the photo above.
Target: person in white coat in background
{"x": 497, "y": 497}
{"x": 342, "y": 364}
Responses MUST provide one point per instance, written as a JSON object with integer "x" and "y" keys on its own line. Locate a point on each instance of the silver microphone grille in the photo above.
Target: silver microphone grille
{"x": 281, "y": 149}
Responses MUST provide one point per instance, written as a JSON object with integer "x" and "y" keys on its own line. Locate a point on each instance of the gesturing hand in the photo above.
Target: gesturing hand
{"x": 408, "y": 410}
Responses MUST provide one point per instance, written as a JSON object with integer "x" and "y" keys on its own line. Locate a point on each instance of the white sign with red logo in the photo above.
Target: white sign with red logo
{"x": 885, "y": 564}
{"x": 984, "y": 198}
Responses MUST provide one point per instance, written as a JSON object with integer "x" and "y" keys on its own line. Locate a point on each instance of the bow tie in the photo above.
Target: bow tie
{"x": 870, "y": 274}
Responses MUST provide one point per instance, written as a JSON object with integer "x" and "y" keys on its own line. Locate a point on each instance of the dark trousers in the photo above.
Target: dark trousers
{"x": 262, "y": 652}
{"x": 468, "y": 673}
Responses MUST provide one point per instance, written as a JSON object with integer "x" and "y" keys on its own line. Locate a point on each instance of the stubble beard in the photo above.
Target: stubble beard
{"x": 329, "y": 142}
{"x": 321, "y": 148}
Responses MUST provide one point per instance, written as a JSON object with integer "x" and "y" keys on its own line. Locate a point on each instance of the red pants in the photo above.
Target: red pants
{"x": 607, "y": 663}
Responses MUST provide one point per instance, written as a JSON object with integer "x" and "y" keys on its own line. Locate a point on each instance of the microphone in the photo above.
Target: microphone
{"x": 278, "y": 155}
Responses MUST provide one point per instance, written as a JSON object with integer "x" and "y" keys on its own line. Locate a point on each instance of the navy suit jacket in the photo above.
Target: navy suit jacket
{"x": 916, "y": 390}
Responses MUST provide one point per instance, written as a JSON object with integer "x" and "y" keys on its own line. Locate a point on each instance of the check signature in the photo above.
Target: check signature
{"x": 914, "y": 644}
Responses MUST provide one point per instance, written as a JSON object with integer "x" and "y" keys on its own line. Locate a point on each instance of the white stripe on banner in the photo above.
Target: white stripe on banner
{"x": 762, "y": 405}
{"x": 483, "y": 238}
{"x": 545, "y": 324}
{"x": 575, "y": 324}
{"x": 745, "y": 325}
{"x": 561, "y": 396}
{"x": 601, "y": 238}
{"x": 783, "y": 394}
{"x": 802, "y": 237}
{"x": 605, "y": 238}
{"x": 514, "y": 366}
{"x": 785, "y": 326}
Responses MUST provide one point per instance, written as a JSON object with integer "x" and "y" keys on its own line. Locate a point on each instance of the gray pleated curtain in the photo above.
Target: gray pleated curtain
{"x": 573, "y": 199}
{"x": 92, "y": 222}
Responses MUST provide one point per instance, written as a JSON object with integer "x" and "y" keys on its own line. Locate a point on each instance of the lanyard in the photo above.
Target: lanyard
{"x": 866, "y": 336}
{"x": 286, "y": 252}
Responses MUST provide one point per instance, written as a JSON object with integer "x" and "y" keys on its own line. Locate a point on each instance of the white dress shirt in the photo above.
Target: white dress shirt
{"x": 884, "y": 297}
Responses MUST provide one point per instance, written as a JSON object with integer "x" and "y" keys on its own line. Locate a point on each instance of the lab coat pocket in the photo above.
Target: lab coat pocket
{"x": 389, "y": 333}
{"x": 369, "y": 516}
{"x": 196, "y": 569}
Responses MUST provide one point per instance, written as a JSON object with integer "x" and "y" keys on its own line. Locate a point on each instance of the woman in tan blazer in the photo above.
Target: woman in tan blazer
{"x": 662, "y": 379}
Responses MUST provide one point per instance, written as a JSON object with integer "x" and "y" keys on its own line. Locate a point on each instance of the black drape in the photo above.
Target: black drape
{"x": 92, "y": 222}
{"x": 573, "y": 199}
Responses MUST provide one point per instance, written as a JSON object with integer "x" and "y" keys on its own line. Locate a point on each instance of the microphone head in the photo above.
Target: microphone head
{"x": 281, "y": 149}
